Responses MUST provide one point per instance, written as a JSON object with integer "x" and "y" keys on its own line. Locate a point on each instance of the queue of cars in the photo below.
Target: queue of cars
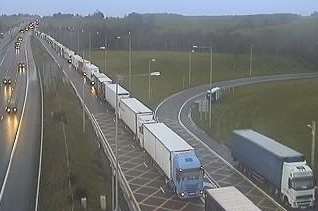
{"x": 9, "y": 83}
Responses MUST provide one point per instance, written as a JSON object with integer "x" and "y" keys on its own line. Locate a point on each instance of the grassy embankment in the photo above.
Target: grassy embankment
{"x": 174, "y": 68}
{"x": 68, "y": 153}
{"x": 279, "y": 110}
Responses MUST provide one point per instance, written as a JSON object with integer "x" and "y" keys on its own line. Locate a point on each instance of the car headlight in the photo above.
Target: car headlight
{"x": 182, "y": 194}
{"x": 15, "y": 110}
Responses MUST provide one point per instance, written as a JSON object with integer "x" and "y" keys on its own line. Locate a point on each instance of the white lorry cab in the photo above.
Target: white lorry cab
{"x": 283, "y": 169}
{"x": 214, "y": 94}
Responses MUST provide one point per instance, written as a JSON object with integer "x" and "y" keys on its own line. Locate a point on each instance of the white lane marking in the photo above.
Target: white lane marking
{"x": 165, "y": 100}
{"x": 219, "y": 156}
{"x": 5, "y": 55}
{"x": 41, "y": 146}
{"x": 17, "y": 134}
{"x": 3, "y": 58}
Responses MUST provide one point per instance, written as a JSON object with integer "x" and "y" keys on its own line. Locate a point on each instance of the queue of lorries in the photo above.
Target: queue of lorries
{"x": 174, "y": 156}
{"x": 282, "y": 168}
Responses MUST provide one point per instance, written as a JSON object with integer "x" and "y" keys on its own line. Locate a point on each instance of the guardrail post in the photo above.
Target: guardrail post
{"x": 103, "y": 202}
{"x": 113, "y": 189}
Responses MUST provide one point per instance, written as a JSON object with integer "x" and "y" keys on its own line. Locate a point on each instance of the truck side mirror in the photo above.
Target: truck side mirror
{"x": 289, "y": 183}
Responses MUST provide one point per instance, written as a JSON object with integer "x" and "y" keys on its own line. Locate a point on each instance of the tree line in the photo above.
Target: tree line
{"x": 277, "y": 34}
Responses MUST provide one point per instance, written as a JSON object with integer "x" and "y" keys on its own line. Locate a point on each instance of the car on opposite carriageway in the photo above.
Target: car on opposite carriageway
{"x": 11, "y": 109}
{"x": 21, "y": 67}
{"x": 7, "y": 81}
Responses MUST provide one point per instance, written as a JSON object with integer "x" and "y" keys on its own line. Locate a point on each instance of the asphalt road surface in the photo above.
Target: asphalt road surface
{"x": 19, "y": 134}
{"x": 175, "y": 112}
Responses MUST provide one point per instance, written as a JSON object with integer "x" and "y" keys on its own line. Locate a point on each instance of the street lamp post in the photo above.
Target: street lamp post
{"x": 116, "y": 148}
{"x": 83, "y": 96}
{"x": 105, "y": 54}
{"x": 149, "y": 75}
{"x": 251, "y": 61}
{"x": 83, "y": 52}
{"x": 78, "y": 43}
{"x": 210, "y": 81}
{"x": 312, "y": 126}
{"x": 130, "y": 58}
{"x": 89, "y": 45}
{"x": 190, "y": 67}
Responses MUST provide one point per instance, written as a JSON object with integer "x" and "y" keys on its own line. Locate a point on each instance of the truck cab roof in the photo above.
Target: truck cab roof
{"x": 299, "y": 169}
{"x": 136, "y": 105}
{"x": 187, "y": 160}
{"x": 213, "y": 90}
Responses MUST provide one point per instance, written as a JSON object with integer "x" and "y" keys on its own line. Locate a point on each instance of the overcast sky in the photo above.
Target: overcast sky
{"x": 185, "y": 7}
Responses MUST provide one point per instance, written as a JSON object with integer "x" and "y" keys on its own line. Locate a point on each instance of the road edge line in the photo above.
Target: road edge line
{"x": 41, "y": 143}
{"x": 17, "y": 133}
{"x": 218, "y": 155}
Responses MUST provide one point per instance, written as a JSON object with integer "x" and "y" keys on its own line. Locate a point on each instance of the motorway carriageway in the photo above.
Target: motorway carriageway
{"x": 20, "y": 134}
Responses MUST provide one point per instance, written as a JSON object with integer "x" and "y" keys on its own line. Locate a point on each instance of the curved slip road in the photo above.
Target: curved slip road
{"x": 175, "y": 112}
{"x": 19, "y": 162}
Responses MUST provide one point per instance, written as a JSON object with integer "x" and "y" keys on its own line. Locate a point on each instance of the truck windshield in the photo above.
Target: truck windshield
{"x": 192, "y": 174}
{"x": 302, "y": 183}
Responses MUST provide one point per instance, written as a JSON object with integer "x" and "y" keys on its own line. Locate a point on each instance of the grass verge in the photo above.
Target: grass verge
{"x": 73, "y": 166}
{"x": 279, "y": 110}
{"x": 174, "y": 68}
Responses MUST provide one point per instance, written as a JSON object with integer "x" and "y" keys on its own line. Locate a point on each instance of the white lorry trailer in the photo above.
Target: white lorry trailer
{"x": 110, "y": 94}
{"x": 100, "y": 86}
{"x": 100, "y": 80}
{"x": 227, "y": 199}
{"x": 75, "y": 61}
{"x": 89, "y": 69}
{"x": 134, "y": 114}
{"x": 67, "y": 54}
{"x": 82, "y": 64}
{"x": 176, "y": 158}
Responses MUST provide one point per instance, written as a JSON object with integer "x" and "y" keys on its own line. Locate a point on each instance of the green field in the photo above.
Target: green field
{"x": 278, "y": 110}
{"x": 174, "y": 68}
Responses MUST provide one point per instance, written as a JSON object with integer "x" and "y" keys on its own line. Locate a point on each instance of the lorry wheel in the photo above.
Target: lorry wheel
{"x": 282, "y": 198}
{"x": 285, "y": 201}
